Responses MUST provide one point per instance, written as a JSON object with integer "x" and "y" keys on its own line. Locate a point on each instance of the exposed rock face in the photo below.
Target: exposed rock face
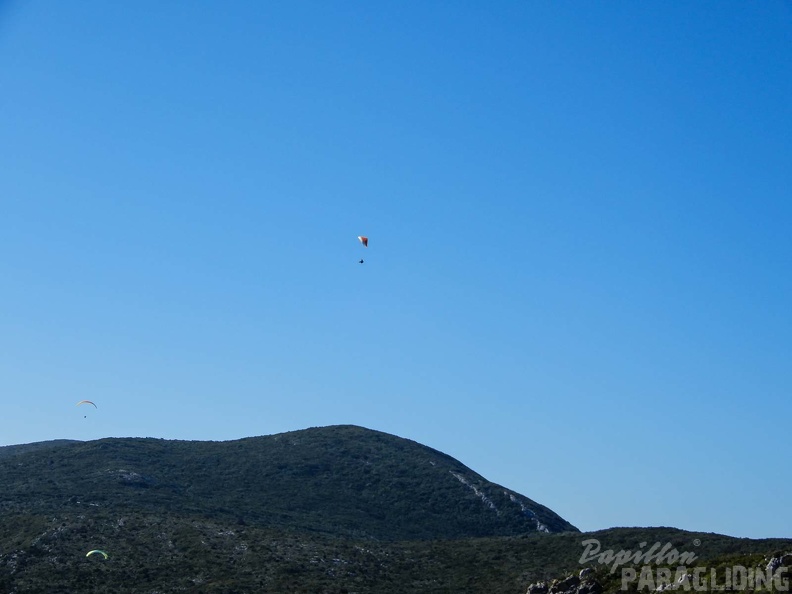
{"x": 537, "y": 588}
{"x": 584, "y": 583}
{"x": 134, "y": 479}
{"x": 781, "y": 561}
{"x": 680, "y": 583}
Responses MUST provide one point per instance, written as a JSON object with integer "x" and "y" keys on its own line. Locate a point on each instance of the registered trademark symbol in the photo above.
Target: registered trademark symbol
{"x": 696, "y": 542}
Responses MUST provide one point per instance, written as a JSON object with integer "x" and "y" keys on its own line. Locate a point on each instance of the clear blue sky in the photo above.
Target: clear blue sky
{"x": 580, "y": 220}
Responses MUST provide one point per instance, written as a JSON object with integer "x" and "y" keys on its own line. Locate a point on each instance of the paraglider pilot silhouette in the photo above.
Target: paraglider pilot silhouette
{"x": 364, "y": 241}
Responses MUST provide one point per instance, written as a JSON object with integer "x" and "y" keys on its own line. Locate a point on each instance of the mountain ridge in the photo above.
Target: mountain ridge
{"x": 13, "y": 450}
{"x": 338, "y": 479}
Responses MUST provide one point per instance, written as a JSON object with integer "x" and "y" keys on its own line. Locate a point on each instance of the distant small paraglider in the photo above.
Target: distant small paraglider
{"x": 364, "y": 240}
{"x": 86, "y": 402}
{"x": 97, "y": 552}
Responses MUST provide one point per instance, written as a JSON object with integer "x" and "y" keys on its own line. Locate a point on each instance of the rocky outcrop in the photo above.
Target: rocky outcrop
{"x": 583, "y": 583}
{"x": 779, "y": 561}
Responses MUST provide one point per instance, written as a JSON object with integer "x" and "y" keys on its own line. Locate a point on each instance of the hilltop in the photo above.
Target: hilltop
{"x": 13, "y": 450}
{"x": 338, "y": 480}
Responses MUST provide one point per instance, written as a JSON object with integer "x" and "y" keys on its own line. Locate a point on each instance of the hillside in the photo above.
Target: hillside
{"x": 167, "y": 553}
{"x": 339, "y": 480}
{"x": 334, "y": 510}
{"x": 13, "y": 450}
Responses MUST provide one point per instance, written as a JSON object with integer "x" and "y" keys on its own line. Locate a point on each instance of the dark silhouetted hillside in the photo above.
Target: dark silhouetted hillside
{"x": 339, "y": 480}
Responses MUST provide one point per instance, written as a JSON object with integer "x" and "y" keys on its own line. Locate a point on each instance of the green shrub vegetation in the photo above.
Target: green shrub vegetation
{"x": 330, "y": 510}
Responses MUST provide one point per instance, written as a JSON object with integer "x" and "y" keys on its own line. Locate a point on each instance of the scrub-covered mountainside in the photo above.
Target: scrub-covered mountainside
{"x": 339, "y": 480}
{"x": 674, "y": 560}
{"x": 334, "y": 510}
{"x": 13, "y": 450}
{"x": 151, "y": 552}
